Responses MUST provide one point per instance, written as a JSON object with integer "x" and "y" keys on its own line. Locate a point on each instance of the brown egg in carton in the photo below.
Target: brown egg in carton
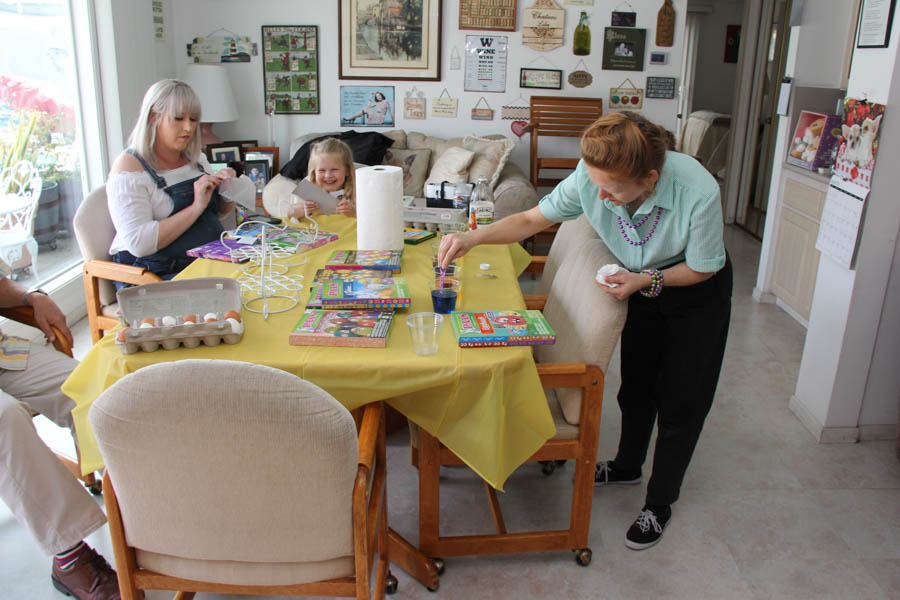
{"x": 169, "y": 314}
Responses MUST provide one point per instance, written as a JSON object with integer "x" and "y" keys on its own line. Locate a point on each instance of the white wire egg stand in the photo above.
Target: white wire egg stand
{"x": 264, "y": 282}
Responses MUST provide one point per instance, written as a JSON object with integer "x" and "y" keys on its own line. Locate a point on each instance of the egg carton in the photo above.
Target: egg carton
{"x": 169, "y": 314}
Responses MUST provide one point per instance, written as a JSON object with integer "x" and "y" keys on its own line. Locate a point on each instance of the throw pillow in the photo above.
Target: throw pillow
{"x": 368, "y": 148}
{"x": 452, "y": 166}
{"x": 490, "y": 157}
{"x": 415, "y": 167}
{"x": 420, "y": 141}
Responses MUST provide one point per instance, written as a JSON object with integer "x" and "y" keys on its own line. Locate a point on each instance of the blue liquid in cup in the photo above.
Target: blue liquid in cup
{"x": 444, "y": 300}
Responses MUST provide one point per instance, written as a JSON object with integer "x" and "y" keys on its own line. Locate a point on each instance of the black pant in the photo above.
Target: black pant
{"x": 672, "y": 348}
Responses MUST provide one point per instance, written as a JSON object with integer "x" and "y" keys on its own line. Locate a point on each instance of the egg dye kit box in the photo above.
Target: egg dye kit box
{"x": 169, "y": 314}
{"x": 814, "y": 139}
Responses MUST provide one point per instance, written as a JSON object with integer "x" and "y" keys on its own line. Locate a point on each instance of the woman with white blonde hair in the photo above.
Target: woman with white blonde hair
{"x": 162, "y": 197}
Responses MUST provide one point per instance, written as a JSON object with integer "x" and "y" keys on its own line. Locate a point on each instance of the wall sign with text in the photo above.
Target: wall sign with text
{"x": 486, "y": 63}
{"x": 661, "y": 87}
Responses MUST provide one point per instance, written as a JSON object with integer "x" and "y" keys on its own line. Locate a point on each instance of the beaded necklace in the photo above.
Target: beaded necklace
{"x": 623, "y": 225}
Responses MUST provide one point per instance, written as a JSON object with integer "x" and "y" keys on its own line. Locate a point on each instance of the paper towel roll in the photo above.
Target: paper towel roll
{"x": 379, "y": 208}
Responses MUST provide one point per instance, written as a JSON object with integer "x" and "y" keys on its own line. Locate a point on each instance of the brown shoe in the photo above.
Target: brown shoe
{"x": 89, "y": 578}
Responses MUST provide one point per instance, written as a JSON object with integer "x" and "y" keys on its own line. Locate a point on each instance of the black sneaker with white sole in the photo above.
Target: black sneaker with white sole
{"x": 648, "y": 528}
{"x": 604, "y": 474}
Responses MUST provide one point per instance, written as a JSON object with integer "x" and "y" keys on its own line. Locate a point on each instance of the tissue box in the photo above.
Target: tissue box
{"x": 814, "y": 139}
{"x": 448, "y": 195}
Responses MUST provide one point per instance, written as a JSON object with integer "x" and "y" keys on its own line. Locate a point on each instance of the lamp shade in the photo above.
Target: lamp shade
{"x": 210, "y": 83}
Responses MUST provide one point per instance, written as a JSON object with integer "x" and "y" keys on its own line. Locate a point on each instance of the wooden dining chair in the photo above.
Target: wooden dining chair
{"x": 94, "y": 232}
{"x": 556, "y": 117}
{"x": 25, "y": 315}
{"x": 306, "y": 517}
{"x": 588, "y": 323}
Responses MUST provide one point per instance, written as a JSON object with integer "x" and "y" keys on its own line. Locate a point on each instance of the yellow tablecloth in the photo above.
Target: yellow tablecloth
{"x": 485, "y": 404}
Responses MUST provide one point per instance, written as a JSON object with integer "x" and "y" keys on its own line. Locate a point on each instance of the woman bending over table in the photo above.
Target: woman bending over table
{"x": 659, "y": 213}
{"x": 162, "y": 198}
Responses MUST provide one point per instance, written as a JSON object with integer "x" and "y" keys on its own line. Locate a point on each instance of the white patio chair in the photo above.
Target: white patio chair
{"x": 20, "y": 190}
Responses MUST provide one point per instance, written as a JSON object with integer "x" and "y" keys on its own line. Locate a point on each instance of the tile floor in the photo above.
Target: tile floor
{"x": 765, "y": 511}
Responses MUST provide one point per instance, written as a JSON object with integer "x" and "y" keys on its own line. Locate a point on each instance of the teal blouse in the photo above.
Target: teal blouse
{"x": 690, "y": 224}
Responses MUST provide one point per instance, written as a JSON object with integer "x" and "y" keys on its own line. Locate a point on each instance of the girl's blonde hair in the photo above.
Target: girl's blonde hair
{"x": 172, "y": 98}
{"x": 335, "y": 146}
{"x": 626, "y": 145}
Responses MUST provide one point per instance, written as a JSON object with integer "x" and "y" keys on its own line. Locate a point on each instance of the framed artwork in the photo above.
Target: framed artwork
{"x": 226, "y": 152}
{"x": 390, "y": 39}
{"x": 732, "y": 43}
{"x": 257, "y": 171}
{"x": 875, "y": 20}
{"x": 497, "y": 15}
{"x": 290, "y": 69}
{"x": 486, "y": 58}
{"x": 548, "y": 79}
{"x": 367, "y": 106}
{"x": 623, "y": 48}
{"x": 268, "y": 153}
{"x": 623, "y": 19}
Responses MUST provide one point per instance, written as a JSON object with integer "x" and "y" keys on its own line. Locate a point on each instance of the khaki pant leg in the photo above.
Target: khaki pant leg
{"x": 38, "y": 489}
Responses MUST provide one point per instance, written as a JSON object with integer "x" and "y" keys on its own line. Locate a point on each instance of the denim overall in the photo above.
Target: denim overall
{"x": 169, "y": 261}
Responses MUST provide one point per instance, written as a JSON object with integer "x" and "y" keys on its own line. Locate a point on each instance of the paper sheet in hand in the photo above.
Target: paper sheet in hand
{"x": 313, "y": 193}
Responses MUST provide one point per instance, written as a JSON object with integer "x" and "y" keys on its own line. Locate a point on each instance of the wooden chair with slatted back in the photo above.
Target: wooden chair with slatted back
{"x": 25, "y": 315}
{"x": 556, "y": 117}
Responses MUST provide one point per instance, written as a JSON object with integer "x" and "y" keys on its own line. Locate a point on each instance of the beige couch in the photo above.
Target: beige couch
{"x": 513, "y": 191}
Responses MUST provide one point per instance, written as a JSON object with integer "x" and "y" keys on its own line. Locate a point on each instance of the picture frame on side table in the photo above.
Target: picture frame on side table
{"x": 269, "y": 153}
{"x": 291, "y": 69}
{"x": 226, "y": 152}
{"x": 399, "y": 44}
{"x": 623, "y": 48}
{"x": 258, "y": 172}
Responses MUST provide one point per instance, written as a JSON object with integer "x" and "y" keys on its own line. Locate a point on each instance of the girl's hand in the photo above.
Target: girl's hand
{"x": 453, "y": 246}
{"x": 346, "y": 208}
{"x": 311, "y": 208}
{"x": 203, "y": 189}
{"x": 629, "y": 283}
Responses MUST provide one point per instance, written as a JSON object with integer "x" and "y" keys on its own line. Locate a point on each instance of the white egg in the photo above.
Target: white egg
{"x": 210, "y": 316}
{"x": 236, "y": 326}
{"x": 146, "y": 325}
{"x": 168, "y": 321}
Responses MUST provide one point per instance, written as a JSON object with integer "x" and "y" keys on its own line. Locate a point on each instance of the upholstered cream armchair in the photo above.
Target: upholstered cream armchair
{"x": 305, "y": 517}
{"x": 94, "y": 231}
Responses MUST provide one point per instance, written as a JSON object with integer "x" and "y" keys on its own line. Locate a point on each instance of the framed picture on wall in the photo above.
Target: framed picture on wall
{"x": 875, "y": 20}
{"x": 548, "y": 79}
{"x": 367, "y": 106}
{"x": 291, "y": 69}
{"x": 623, "y": 48}
{"x": 389, "y": 39}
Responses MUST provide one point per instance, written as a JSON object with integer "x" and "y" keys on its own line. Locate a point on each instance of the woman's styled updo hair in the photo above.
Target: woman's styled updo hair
{"x": 626, "y": 145}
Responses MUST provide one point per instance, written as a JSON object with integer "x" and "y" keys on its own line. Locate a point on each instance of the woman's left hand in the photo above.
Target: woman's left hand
{"x": 346, "y": 208}
{"x": 628, "y": 282}
{"x": 224, "y": 174}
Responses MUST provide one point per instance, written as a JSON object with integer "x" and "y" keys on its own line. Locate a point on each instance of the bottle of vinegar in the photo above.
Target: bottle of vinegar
{"x": 581, "y": 46}
{"x": 482, "y": 203}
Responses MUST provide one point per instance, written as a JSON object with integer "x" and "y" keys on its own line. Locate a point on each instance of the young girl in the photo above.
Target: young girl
{"x": 331, "y": 168}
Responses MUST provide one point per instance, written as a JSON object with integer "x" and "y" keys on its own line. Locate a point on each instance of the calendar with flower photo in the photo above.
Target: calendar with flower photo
{"x": 858, "y": 145}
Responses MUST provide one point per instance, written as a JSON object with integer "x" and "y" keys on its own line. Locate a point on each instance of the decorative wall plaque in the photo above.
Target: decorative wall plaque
{"x": 626, "y": 97}
{"x": 665, "y": 25}
{"x": 444, "y": 106}
{"x": 623, "y": 48}
{"x": 542, "y": 25}
{"x": 661, "y": 87}
{"x": 487, "y": 14}
{"x": 580, "y": 77}
{"x": 414, "y": 104}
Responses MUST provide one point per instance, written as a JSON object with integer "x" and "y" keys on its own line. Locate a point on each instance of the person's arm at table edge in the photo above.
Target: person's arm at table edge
{"x": 46, "y": 313}
{"x": 513, "y": 228}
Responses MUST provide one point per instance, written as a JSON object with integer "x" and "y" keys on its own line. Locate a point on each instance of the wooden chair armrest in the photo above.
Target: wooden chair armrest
{"x": 534, "y": 301}
{"x": 536, "y": 265}
{"x": 368, "y": 433}
{"x": 25, "y": 315}
{"x": 562, "y": 375}
{"x": 104, "y": 269}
